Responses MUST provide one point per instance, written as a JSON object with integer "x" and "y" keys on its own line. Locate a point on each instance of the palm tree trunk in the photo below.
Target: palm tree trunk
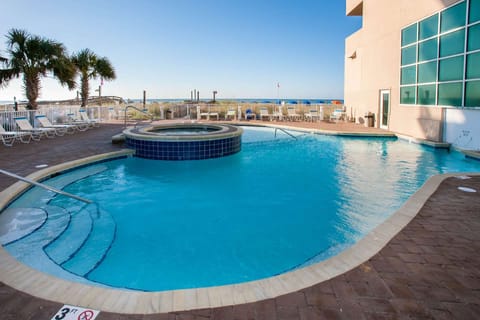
{"x": 84, "y": 90}
{"x": 32, "y": 89}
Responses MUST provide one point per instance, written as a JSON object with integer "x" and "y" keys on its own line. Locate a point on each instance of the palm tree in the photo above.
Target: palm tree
{"x": 91, "y": 66}
{"x": 35, "y": 57}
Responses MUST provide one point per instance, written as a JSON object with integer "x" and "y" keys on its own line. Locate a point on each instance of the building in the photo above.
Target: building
{"x": 415, "y": 65}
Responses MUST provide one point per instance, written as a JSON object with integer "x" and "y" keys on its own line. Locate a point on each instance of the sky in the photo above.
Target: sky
{"x": 239, "y": 48}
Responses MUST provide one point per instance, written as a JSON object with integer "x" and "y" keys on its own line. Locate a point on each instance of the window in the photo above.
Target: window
{"x": 474, "y": 11}
{"x": 428, "y": 27}
{"x": 440, "y": 58}
{"x": 427, "y": 50}
{"x": 452, "y": 43}
{"x": 407, "y": 95}
{"x": 472, "y": 94}
{"x": 451, "y": 69}
{"x": 473, "y": 42}
{"x": 409, "y": 75}
{"x": 426, "y": 94}
{"x": 427, "y": 72}
{"x": 453, "y": 17}
{"x": 409, "y": 55}
{"x": 450, "y": 94}
{"x": 409, "y": 35}
{"x": 473, "y": 66}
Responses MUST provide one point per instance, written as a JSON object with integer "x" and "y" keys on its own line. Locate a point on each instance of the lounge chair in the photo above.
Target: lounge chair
{"x": 337, "y": 114}
{"x": 292, "y": 114}
{"x": 249, "y": 114}
{"x": 264, "y": 114}
{"x": 9, "y": 137}
{"x": 85, "y": 118}
{"x": 60, "y": 129}
{"x": 312, "y": 115}
{"x": 278, "y": 114}
{"x": 231, "y": 114}
{"x": 81, "y": 125}
{"x": 36, "y": 133}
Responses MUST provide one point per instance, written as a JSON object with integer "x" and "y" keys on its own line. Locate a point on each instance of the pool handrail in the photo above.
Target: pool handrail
{"x": 139, "y": 110}
{"x": 46, "y": 187}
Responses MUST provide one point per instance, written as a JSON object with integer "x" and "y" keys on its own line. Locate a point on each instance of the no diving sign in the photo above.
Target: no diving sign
{"x": 75, "y": 313}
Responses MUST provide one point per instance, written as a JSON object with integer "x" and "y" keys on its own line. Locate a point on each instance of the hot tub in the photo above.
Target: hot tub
{"x": 184, "y": 141}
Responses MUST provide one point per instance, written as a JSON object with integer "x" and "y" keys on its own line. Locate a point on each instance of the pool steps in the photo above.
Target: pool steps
{"x": 58, "y": 247}
{"x": 96, "y": 246}
{"x": 70, "y": 241}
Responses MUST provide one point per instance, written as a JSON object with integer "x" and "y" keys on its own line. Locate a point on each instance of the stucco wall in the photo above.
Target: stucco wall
{"x": 377, "y": 66}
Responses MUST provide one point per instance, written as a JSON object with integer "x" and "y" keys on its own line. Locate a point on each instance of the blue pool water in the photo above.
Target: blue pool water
{"x": 278, "y": 205}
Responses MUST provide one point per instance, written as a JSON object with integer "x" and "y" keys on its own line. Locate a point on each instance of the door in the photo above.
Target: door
{"x": 384, "y": 108}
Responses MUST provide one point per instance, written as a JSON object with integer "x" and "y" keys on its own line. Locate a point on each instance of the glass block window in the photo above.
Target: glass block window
{"x": 451, "y": 69}
{"x": 452, "y": 43}
{"x": 453, "y": 17}
{"x": 472, "y": 94}
{"x": 428, "y": 27}
{"x": 473, "y": 42}
{"x": 440, "y": 58}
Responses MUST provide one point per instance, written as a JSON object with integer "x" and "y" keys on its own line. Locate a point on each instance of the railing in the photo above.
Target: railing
{"x": 286, "y": 132}
{"x": 139, "y": 110}
{"x": 44, "y": 186}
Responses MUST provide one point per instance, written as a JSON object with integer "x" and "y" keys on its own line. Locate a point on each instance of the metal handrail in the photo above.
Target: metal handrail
{"x": 139, "y": 110}
{"x": 285, "y": 131}
{"x": 44, "y": 186}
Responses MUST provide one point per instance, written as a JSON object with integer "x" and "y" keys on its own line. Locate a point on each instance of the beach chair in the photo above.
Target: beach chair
{"x": 264, "y": 114}
{"x": 36, "y": 133}
{"x": 85, "y": 118}
{"x": 312, "y": 115}
{"x": 249, "y": 114}
{"x": 292, "y": 114}
{"x": 60, "y": 129}
{"x": 278, "y": 115}
{"x": 9, "y": 137}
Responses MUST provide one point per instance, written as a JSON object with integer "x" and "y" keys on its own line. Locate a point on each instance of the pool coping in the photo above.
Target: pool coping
{"x": 36, "y": 283}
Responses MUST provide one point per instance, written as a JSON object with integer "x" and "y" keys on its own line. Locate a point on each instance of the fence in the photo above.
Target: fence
{"x": 62, "y": 114}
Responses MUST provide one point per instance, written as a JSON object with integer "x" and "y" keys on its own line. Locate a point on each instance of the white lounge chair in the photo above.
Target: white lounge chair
{"x": 292, "y": 114}
{"x": 60, "y": 129}
{"x": 9, "y": 137}
{"x": 312, "y": 115}
{"x": 264, "y": 114}
{"x": 81, "y": 125}
{"x": 231, "y": 114}
{"x": 36, "y": 133}
{"x": 337, "y": 114}
{"x": 85, "y": 118}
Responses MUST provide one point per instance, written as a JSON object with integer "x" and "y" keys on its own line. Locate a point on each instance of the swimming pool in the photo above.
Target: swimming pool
{"x": 278, "y": 205}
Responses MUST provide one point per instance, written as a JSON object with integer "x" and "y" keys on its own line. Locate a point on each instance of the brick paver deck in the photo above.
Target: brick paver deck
{"x": 430, "y": 270}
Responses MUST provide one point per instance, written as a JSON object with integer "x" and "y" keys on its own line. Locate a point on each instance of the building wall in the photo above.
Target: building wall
{"x": 376, "y": 66}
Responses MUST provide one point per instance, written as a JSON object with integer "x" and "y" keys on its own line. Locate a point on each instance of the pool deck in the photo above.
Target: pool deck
{"x": 429, "y": 270}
